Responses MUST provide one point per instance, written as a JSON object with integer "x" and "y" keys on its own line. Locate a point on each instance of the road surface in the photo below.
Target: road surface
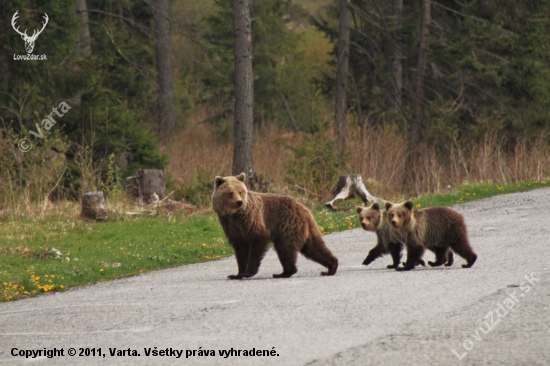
{"x": 362, "y": 316}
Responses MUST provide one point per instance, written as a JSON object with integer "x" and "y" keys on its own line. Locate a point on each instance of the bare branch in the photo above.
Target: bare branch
{"x": 120, "y": 52}
{"x": 131, "y": 21}
{"x": 479, "y": 20}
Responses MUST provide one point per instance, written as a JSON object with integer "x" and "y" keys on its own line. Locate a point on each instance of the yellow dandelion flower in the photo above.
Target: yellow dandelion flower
{"x": 5, "y": 283}
{"x": 150, "y": 248}
{"x": 474, "y": 193}
{"x": 101, "y": 270}
{"x": 181, "y": 242}
{"x": 104, "y": 242}
{"x": 61, "y": 286}
{"x": 46, "y": 276}
{"x": 52, "y": 276}
{"x": 26, "y": 292}
{"x": 418, "y": 205}
{"x": 467, "y": 193}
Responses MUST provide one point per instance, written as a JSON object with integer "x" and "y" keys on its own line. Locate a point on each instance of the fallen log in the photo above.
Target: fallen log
{"x": 349, "y": 186}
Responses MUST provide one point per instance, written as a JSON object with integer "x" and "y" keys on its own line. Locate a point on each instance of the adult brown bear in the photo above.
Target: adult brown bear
{"x": 251, "y": 220}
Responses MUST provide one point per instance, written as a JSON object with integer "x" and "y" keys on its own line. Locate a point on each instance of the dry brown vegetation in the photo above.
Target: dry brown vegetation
{"x": 378, "y": 154}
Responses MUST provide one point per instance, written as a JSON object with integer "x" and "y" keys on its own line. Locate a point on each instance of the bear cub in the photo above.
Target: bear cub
{"x": 251, "y": 220}
{"x": 438, "y": 229}
{"x": 389, "y": 240}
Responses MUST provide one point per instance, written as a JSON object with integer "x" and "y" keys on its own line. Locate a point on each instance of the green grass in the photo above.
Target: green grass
{"x": 127, "y": 246}
{"x": 93, "y": 252}
{"x": 469, "y": 192}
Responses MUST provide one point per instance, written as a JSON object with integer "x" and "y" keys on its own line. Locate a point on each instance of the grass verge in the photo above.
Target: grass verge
{"x": 86, "y": 252}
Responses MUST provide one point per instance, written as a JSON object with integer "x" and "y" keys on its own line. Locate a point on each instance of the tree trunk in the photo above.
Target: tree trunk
{"x": 244, "y": 89}
{"x": 166, "y": 115}
{"x": 342, "y": 75}
{"x": 393, "y": 60}
{"x": 5, "y": 79}
{"x": 83, "y": 45}
{"x": 418, "y": 119}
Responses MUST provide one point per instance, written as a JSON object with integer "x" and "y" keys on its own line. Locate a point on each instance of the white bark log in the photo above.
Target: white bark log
{"x": 348, "y": 186}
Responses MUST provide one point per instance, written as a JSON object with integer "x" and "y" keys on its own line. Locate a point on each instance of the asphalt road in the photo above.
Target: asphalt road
{"x": 362, "y": 316}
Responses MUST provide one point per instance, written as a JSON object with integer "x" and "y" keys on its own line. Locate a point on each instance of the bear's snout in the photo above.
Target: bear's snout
{"x": 239, "y": 203}
{"x": 394, "y": 223}
{"x": 364, "y": 225}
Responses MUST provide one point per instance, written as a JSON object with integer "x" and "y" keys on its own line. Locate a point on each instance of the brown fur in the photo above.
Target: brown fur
{"x": 439, "y": 229}
{"x": 251, "y": 220}
{"x": 389, "y": 240}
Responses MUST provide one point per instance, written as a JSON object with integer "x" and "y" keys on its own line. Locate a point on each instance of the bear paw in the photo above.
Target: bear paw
{"x": 235, "y": 277}
{"x": 392, "y": 266}
{"x": 282, "y": 275}
{"x": 401, "y": 269}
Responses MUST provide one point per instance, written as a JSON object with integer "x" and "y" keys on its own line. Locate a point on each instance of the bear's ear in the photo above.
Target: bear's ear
{"x": 388, "y": 205}
{"x": 241, "y": 177}
{"x": 219, "y": 181}
{"x": 359, "y": 209}
{"x": 409, "y": 205}
{"x": 376, "y": 206}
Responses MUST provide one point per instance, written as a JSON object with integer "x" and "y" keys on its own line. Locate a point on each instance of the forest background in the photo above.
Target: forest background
{"x": 437, "y": 93}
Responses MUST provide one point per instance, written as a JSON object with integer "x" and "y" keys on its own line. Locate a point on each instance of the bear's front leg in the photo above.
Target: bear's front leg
{"x": 414, "y": 256}
{"x": 395, "y": 254}
{"x": 241, "y": 254}
{"x": 256, "y": 251}
{"x": 374, "y": 253}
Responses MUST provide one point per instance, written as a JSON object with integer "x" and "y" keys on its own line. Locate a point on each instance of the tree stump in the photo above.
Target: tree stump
{"x": 93, "y": 206}
{"x": 257, "y": 183}
{"x": 147, "y": 183}
{"x": 348, "y": 186}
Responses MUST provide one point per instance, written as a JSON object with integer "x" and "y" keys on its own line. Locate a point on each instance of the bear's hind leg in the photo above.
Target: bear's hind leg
{"x": 316, "y": 250}
{"x": 462, "y": 247}
{"x": 287, "y": 256}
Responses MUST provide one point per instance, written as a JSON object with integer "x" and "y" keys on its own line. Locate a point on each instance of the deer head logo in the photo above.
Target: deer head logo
{"x": 29, "y": 41}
